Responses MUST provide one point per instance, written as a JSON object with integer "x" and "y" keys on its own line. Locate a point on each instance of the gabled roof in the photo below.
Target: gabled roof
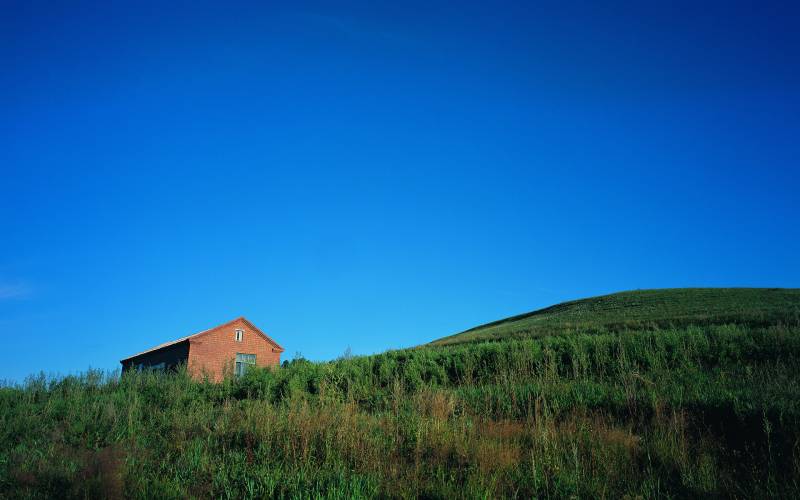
{"x": 198, "y": 334}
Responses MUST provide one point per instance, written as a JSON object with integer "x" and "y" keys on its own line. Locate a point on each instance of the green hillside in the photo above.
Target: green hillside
{"x": 645, "y": 309}
{"x": 653, "y": 394}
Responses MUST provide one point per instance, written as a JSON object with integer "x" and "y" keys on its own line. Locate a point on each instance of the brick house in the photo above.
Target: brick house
{"x": 229, "y": 348}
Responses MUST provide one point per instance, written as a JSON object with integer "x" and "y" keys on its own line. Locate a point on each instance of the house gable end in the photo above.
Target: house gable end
{"x": 214, "y": 352}
{"x": 276, "y": 347}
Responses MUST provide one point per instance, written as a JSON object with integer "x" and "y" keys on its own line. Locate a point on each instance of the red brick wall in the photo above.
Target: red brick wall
{"x": 214, "y": 352}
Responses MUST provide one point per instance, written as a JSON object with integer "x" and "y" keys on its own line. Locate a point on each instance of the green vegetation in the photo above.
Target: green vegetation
{"x": 645, "y": 310}
{"x": 707, "y": 409}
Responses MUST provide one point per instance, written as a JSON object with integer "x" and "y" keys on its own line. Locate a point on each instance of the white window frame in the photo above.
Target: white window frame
{"x": 242, "y": 362}
{"x": 239, "y": 335}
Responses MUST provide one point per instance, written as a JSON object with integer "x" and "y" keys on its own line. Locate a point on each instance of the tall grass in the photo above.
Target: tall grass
{"x": 711, "y": 411}
{"x": 646, "y": 310}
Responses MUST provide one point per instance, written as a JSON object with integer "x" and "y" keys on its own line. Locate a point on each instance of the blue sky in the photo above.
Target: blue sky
{"x": 378, "y": 177}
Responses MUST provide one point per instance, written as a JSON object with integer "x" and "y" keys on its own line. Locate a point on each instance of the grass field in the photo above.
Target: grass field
{"x": 645, "y": 310}
{"x": 673, "y": 393}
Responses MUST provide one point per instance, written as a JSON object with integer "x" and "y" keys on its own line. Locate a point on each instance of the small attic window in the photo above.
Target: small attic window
{"x": 239, "y": 335}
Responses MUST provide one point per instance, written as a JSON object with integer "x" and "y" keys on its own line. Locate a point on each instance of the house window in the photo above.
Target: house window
{"x": 243, "y": 362}
{"x": 156, "y": 367}
{"x": 239, "y": 335}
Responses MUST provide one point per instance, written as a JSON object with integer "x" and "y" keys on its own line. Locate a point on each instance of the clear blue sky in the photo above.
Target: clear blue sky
{"x": 377, "y": 177}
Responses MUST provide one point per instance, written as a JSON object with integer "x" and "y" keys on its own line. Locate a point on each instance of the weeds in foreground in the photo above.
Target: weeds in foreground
{"x": 711, "y": 411}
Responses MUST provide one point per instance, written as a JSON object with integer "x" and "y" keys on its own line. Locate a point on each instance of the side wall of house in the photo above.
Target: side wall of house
{"x": 214, "y": 353}
{"x": 171, "y": 356}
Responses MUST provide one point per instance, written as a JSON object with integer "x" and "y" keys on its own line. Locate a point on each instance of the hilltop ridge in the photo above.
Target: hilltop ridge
{"x": 644, "y": 309}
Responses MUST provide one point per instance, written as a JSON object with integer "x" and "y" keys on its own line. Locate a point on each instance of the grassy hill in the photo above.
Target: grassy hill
{"x": 645, "y": 310}
{"x": 671, "y": 393}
